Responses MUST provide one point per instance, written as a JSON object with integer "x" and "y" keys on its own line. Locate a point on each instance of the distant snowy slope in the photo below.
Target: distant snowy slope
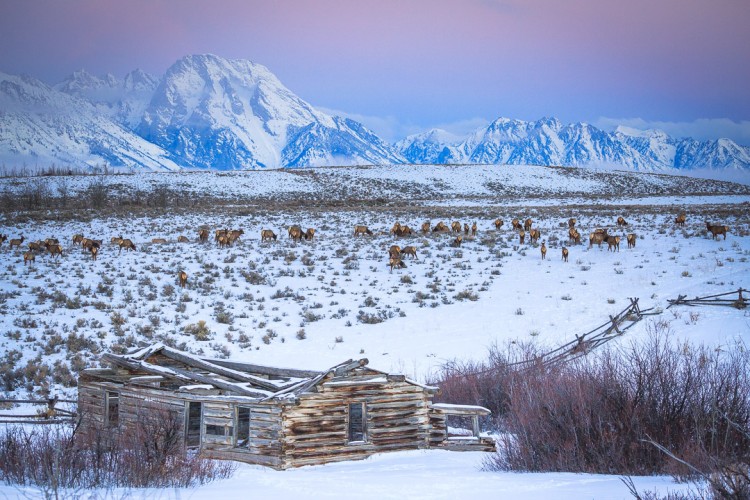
{"x": 40, "y": 126}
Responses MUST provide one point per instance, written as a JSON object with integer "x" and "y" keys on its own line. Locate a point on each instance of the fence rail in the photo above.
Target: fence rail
{"x": 50, "y": 414}
{"x": 718, "y": 299}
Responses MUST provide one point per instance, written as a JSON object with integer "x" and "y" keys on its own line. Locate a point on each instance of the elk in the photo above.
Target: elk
{"x": 425, "y": 227}
{"x": 224, "y": 241}
{"x": 183, "y": 277}
{"x": 516, "y": 224}
{"x": 203, "y": 235}
{"x": 159, "y": 241}
{"x": 456, "y": 227}
{"x": 235, "y": 234}
{"x": 295, "y": 233}
{"x": 219, "y": 233}
{"x": 527, "y": 224}
{"x": 466, "y": 228}
{"x": 126, "y": 244}
{"x": 574, "y": 235}
{"x": 474, "y": 229}
{"x": 565, "y": 254}
{"x": 182, "y": 239}
{"x": 309, "y": 234}
{"x": 396, "y": 228}
{"x": 406, "y": 230}
{"x": 521, "y": 236}
{"x": 51, "y": 241}
{"x": 94, "y": 252}
{"x": 498, "y": 223}
{"x": 267, "y": 235}
{"x": 3, "y": 237}
{"x": 77, "y": 238}
{"x": 55, "y": 250}
{"x": 534, "y": 234}
{"x": 116, "y": 240}
{"x": 440, "y": 227}
{"x": 598, "y": 236}
{"x": 88, "y": 244}
{"x": 457, "y": 242}
{"x": 16, "y": 242}
{"x": 715, "y": 230}
{"x": 621, "y": 221}
{"x": 396, "y": 262}
{"x": 28, "y": 257}
{"x": 680, "y": 220}
{"x": 544, "y": 251}
{"x": 613, "y": 242}
{"x": 571, "y": 223}
{"x": 394, "y": 251}
{"x": 631, "y": 240}
{"x": 363, "y": 230}
{"x": 410, "y": 250}
{"x": 36, "y": 246}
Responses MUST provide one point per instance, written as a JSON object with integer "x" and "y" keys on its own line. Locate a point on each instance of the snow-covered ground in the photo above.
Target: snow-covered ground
{"x": 313, "y": 304}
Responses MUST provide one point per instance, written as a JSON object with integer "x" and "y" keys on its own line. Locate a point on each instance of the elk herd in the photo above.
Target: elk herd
{"x": 396, "y": 254}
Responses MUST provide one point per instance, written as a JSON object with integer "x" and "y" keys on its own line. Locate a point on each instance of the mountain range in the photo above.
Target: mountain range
{"x": 207, "y": 112}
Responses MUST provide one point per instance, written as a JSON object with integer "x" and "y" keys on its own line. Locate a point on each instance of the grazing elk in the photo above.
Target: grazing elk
{"x": 574, "y": 236}
{"x": 457, "y": 242}
{"x": 715, "y": 230}
{"x": 363, "y": 230}
{"x": 182, "y": 239}
{"x": 498, "y": 223}
{"x": 16, "y": 242}
{"x": 456, "y": 227}
{"x": 440, "y": 227}
{"x": 534, "y": 234}
{"x": 126, "y": 244}
{"x": 396, "y": 262}
{"x": 474, "y": 229}
{"x": 621, "y": 221}
{"x": 680, "y": 220}
{"x": 394, "y": 251}
{"x": 295, "y": 233}
{"x": 543, "y": 249}
{"x": 77, "y": 238}
{"x": 28, "y": 257}
{"x": 425, "y": 227}
{"x": 613, "y": 243}
{"x": 516, "y": 224}
{"x": 267, "y": 235}
{"x": 631, "y": 240}
{"x": 571, "y": 223}
{"x": 183, "y": 277}
{"x": 159, "y": 241}
{"x": 309, "y": 234}
{"x": 521, "y": 236}
{"x": 55, "y": 250}
{"x": 410, "y": 250}
{"x": 565, "y": 254}
{"x": 203, "y": 235}
{"x": 527, "y": 224}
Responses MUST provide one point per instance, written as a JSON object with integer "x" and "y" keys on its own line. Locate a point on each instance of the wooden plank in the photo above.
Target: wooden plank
{"x": 264, "y": 370}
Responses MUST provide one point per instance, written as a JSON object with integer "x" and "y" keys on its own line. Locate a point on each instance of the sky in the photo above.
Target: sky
{"x": 403, "y": 66}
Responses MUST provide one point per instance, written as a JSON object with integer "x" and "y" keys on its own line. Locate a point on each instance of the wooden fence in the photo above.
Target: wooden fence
{"x": 719, "y": 299}
{"x": 50, "y": 413}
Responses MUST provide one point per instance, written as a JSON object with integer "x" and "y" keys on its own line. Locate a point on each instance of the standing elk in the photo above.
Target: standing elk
{"x": 77, "y": 238}
{"x": 116, "y": 240}
{"x": 425, "y": 227}
{"x": 394, "y": 251}
{"x": 219, "y": 233}
{"x": 571, "y": 223}
{"x": 410, "y": 250}
{"x": 466, "y": 228}
{"x": 3, "y": 237}
{"x": 55, "y": 250}
{"x": 126, "y": 244}
{"x": 94, "y": 252}
{"x": 36, "y": 246}
{"x": 680, "y": 220}
{"x": 309, "y": 234}
{"x": 203, "y": 235}
{"x": 235, "y": 234}
{"x": 599, "y": 236}
{"x": 396, "y": 228}
{"x": 183, "y": 277}
{"x": 28, "y": 257}
{"x": 715, "y": 230}
{"x": 613, "y": 243}
{"x": 521, "y": 236}
{"x": 565, "y": 254}
{"x": 295, "y": 233}
{"x": 363, "y": 230}
{"x": 574, "y": 236}
{"x": 267, "y": 235}
{"x": 456, "y": 227}
{"x": 527, "y": 224}
{"x": 474, "y": 229}
{"x": 543, "y": 249}
{"x": 631, "y": 240}
{"x": 16, "y": 242}
{"x": 621, "y": 221}
{"x": 224, "y": 241}
{"x": 498, "y": 223}
{"x": 457, "y": 242}
{"x": 534, "y": 234}
{"x": 516, "y": 224}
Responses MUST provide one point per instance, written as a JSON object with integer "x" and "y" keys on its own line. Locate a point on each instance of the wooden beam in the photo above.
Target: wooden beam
{"x": 263, "y": 370}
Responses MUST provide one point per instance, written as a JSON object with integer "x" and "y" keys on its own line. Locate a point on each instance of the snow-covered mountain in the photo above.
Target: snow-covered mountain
{"x": 549, "y": 142}
{"x": 210, "y": 112}
{"x": 40, "y": 126}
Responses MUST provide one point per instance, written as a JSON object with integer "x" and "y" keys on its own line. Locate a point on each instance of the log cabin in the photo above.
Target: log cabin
{"x": 277, "y": 417}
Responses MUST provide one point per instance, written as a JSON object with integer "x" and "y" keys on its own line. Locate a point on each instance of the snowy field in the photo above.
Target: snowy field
{"x": 313, "y": 304}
